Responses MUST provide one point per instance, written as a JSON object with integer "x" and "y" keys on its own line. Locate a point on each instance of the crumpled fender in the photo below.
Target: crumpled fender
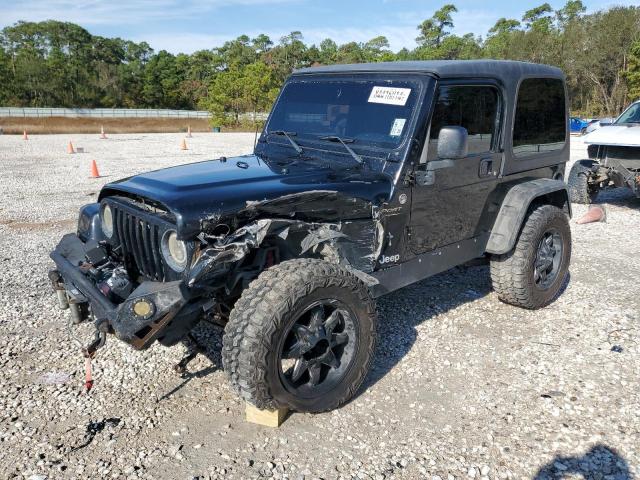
{"x": 354, "y": 244}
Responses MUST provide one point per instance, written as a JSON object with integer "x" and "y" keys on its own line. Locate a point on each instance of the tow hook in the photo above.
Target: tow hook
{"x": 99, "y": 340}
{"x": 89, "y": 352}
{"x": 193, "y": 349}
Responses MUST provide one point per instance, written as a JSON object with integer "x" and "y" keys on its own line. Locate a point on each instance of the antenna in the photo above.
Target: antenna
{"x": 255, "y": 137}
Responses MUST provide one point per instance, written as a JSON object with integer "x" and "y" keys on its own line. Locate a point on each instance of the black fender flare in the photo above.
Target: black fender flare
{"x": 515, "y": 206}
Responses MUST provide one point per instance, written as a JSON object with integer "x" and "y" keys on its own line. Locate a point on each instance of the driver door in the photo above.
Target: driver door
{"x": 450, "y": 209}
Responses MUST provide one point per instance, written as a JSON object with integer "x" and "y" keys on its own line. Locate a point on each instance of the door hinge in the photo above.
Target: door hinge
{"x": 410, "y": 178}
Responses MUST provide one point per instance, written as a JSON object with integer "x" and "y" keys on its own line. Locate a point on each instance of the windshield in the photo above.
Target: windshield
{"x": 630, "y": 115}
{"x": 373, "y": 113}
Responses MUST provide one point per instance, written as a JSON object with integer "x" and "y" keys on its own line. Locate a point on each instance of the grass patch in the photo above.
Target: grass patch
{"x": 44, "y": 125}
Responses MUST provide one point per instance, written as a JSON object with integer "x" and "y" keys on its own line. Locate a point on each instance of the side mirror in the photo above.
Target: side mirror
{"x": 605, "y": 122}
{"x": 453, "y": 143}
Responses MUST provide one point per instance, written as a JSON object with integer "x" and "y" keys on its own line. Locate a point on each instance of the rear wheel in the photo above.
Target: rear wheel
{"x": 580, "y": 189}
{"x": 532, "y": 274}
{"x": 301, "y": 336}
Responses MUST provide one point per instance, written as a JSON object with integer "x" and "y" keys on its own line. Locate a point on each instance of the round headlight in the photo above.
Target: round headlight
{"x": 174, "y": 251}
{"x": 106, "y": 221}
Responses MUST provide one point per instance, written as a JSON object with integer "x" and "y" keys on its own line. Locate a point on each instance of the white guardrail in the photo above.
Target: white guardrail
{"x": 101, "y": 112}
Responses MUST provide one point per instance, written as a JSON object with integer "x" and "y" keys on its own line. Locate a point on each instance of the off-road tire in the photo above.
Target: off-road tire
{"x": 260, "y": 318}
{"x": 512, "y": 274}
{"x": 580, "y": 190}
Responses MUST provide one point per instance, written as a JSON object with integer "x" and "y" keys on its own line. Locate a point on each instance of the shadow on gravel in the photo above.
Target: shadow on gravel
{"x": 599, "y": 462}
{"x": 620, "y": 197}
{"x": 209, "y": 337}
{"x": 401, "y": 311}
{"x": 187, "y": 377}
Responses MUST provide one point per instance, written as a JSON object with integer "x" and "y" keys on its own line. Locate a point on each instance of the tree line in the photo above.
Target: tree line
{"x": 59, "y": 64}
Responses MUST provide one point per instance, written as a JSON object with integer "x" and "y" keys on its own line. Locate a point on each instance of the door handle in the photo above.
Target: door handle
{"x": 486, "y": 167}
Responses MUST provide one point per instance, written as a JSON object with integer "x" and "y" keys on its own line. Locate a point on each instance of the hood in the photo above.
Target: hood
{"x": 621, "y": 135}
{"x": 203, "y": 193}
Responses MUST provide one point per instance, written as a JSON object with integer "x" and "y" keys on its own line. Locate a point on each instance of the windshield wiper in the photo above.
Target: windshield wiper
{"x": 293, "y": 143}
{"x": 334, "y": 138}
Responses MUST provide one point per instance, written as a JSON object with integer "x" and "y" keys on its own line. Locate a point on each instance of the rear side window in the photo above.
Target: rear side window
{"x": 539, "y": 125}
{"x": 474, "y": 107}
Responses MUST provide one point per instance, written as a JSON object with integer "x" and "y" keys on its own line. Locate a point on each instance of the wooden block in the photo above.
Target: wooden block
{"x": 267, "y": 418}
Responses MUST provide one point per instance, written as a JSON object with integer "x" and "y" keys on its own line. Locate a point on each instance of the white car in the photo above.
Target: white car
{"x": 602, "y": 122}
{"x": 614, "y": 158}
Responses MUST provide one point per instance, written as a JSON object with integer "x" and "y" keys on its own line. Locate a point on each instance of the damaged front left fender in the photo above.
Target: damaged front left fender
{"x": 354, "y": 243}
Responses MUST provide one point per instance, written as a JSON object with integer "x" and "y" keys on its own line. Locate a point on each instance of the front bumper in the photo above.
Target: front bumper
{"x": 171, "y": 302}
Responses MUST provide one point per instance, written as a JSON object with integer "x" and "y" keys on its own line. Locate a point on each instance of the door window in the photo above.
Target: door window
{"x": 474, "y": 107}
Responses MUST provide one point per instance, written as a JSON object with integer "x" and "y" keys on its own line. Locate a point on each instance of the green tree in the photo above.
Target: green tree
{"x": 570, "y": 12}
{"x": 376, "y": 50}
{"x": 632, "y": 74}
{"x": 262, "y": 43}
{"x": 328, "y": 52}
{"x": 539, "y": 18}
{"x": 225, "y": 97}
{"x": 259, "y": 88}
{"x": 6, "y": 79}
{"x": 599, "y": 57}
{"x": 289, "y": 54}
{"x": 434, "y": 29}
{"x": 56, "y": 63}
{"x": 350, "y": 52}
{"x": 163, "y": 76}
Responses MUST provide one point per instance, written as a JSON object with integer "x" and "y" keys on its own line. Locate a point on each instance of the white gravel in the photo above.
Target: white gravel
{"x": 462, "y": 387}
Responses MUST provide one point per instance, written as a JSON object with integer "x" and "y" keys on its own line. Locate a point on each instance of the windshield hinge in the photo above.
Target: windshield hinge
{"x": 410, "y": 178}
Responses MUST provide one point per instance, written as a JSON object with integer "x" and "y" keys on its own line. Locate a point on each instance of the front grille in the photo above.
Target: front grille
{"x": 623, "y": 153}
{"x": 139, "y": 240}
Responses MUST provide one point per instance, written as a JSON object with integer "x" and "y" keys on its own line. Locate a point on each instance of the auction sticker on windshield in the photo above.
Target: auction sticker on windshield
{"x": 389, "y": 95}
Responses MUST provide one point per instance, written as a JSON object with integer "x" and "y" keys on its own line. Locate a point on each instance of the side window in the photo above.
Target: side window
{"x": 472, "y": 107}
{"x": 539, "y": 124}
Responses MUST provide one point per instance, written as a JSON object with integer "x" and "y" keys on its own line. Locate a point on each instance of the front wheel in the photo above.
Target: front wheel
{"x": 302, "y": 336}
{"x": 580, "y": 189}
{"x": 533, "y": 272}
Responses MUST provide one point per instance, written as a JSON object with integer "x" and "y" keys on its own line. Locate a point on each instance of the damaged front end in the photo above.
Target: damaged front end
{"x": 84, "y": 288}
{"x": 127, "y": 283}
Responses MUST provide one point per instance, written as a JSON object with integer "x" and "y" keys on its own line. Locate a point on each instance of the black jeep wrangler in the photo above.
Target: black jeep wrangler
{"x": 366, "y": 178}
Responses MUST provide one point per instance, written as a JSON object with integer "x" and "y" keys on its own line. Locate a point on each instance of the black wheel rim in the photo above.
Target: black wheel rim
{"x": 318, "y": 349}
{"x": 548, "y": 259}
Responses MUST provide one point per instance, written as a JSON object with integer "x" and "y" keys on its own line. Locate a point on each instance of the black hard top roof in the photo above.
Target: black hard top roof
{"x": 502, "y": 69}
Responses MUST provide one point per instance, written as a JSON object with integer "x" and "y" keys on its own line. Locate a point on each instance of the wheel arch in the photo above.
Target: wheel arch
{"x": 517, "y": 202}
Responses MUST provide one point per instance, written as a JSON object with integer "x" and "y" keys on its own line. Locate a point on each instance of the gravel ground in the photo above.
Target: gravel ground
{"x": 462, "y": 386}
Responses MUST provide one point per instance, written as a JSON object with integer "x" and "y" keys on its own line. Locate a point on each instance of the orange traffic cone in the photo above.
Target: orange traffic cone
{"x": 183, "y": 145}
{"x": 24, "y": 136}
{"x": 188, "y": 131}
{"x": 70, "y": 148}
{"x": 102, "y": 134}
{"x": 94, "y": 169}
{"x": 596, "y": 213}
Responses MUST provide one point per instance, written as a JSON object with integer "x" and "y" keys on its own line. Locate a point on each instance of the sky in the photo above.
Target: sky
{"x": 190, "y": 25}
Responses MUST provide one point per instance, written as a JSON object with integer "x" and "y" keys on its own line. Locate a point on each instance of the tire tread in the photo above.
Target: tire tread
{"x": 510, "y": 272}
{"x": 257, "y": 316}
{"x": 578, "y": 183}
